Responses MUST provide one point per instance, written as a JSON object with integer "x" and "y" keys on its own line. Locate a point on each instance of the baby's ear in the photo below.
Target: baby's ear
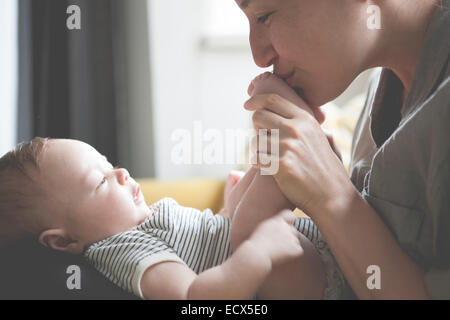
{"x": 58, "y": 239}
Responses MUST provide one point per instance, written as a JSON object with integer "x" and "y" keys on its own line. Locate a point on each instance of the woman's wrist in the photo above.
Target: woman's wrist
{"x": 359, "y": 238}
{"x": 340, "y": 202}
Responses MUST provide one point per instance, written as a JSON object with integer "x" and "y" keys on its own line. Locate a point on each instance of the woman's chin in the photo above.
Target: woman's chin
{"x": 317, "y": 99}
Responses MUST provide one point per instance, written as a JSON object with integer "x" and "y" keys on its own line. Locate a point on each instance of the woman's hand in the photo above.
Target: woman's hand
{"x": 310, "y": 173}
{"x": 312, "y": 177}
{"x": 332, "y": 143}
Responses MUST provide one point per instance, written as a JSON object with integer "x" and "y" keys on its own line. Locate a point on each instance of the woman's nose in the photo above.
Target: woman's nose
{"x": 263, "y": 52}
{"x": 123, "y": 176}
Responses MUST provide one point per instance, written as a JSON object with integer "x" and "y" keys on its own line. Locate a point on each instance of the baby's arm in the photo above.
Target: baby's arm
{"x": 302, "y": 278}
{"x": 239, "y": 277}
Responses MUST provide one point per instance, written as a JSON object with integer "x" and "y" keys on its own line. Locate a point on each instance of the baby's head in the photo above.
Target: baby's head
{"x": 66, "y": 194}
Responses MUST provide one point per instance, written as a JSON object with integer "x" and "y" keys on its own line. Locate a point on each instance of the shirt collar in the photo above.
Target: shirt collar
{"x": 433, "y": 64}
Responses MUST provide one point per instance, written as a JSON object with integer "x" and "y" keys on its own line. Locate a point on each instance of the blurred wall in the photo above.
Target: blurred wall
{"x": 200, "y": 74}
{"x": 137, "y": 79}
{"x": 195, "y": 78}
{"x": 8, "y": 74}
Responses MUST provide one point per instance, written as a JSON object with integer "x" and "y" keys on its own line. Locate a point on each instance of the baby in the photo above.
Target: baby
{"x": 68, "y": 196}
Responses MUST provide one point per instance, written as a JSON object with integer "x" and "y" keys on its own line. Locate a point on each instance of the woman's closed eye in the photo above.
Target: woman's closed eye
{"x": 264, "y": 18}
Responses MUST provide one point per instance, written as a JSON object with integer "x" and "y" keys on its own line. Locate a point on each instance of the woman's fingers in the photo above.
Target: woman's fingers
{"x": 265, "y": 119}
{"x": 274, "y": 103}
{"x": 333, "y": 144}
{"x": 319, "y": 114}
{"x": 268, "y": 164}
{"x": 307, "y": 170}
{"x": 280, "y": 106}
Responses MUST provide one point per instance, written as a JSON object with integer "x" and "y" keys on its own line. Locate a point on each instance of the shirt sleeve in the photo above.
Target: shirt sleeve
{"x": 123, "y": 258}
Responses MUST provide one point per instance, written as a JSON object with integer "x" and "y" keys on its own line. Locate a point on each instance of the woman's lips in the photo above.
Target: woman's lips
{"x": 289, "y": 79}
{"x": 290, "y": 82}
{"x": 285, "y": 76}
{"x": 319, "y": 114}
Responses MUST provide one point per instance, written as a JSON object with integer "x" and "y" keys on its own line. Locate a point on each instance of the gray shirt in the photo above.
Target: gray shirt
{"x": 401, "y": 156}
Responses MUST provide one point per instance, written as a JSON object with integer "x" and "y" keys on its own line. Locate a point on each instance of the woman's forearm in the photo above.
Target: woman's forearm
{"x": 358, "y": 239}
{"x": 237, "y": 278}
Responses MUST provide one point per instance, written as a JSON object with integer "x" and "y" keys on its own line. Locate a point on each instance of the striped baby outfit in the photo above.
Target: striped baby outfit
{"x": 199, "y": 239}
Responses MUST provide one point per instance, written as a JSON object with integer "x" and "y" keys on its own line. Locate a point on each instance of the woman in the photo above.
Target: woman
{"x": 394, "y": 211}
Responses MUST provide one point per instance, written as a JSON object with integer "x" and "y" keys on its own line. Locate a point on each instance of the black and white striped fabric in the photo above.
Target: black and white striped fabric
{"x": 172, "y": 232}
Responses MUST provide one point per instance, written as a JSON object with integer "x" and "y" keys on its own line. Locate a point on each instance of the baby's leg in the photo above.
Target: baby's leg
{"x": 233, "y": 197}
{"x": 303, "y": 278}
{"x": 262, "y": 200}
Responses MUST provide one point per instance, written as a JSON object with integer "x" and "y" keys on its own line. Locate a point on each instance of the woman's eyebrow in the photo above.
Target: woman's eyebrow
{"x": 244, "y": 4}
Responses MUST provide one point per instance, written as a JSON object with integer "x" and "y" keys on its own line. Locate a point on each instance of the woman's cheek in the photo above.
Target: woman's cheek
{"x": 289, "y": 45}
{"x": 281, "y": 37}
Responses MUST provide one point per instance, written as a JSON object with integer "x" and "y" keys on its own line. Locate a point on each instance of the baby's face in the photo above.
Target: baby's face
{"x": 87, "y": 196}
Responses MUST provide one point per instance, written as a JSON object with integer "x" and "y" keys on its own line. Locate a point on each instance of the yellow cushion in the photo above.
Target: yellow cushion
{"x": 196, "y": 193}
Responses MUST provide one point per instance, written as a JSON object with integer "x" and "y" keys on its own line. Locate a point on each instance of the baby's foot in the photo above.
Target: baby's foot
{"x": 270, "y": 83}
{"x": 236, "y": 185}
{"x": 232, "y": 180}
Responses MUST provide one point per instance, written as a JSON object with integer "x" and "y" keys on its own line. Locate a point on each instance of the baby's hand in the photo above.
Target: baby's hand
{"x": 277, "y": 238}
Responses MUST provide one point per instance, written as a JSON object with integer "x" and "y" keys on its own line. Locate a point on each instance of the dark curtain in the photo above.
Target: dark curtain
{"x": 70, "y": 80}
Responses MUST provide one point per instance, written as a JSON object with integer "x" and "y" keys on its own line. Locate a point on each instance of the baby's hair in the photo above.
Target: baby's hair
{"x": 19, "y": 190}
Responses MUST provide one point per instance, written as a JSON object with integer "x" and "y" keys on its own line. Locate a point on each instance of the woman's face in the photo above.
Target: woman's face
{"x": 317, "y": 46}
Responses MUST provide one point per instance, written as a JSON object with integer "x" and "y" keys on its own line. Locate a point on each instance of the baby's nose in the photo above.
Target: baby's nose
{"x": 124, "y": 176}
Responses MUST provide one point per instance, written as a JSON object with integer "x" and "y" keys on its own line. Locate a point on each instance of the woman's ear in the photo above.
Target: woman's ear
{"x": 58, "y": 239}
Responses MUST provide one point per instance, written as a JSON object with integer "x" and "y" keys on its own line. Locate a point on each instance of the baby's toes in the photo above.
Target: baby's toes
{"x": 264, "y": 76}
{"x": 234, "y": 177}
{"x": 251, "y": 87}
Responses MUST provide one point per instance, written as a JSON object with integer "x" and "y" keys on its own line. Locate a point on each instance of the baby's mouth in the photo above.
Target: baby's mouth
{"x": 137, "y": 194}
